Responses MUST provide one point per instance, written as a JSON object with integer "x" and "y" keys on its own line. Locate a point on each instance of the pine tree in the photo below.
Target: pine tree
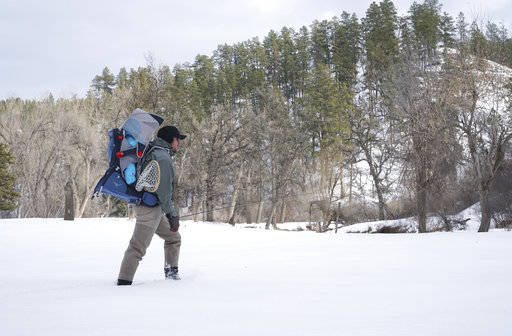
{"x": 224, "y": 57}
{"x": 447, "y": 31}
{"x": 241, "y": 66}
{"x": 104, "y": 82}
{"x": 303, "y": 43}
{"x": 122, "y": 78}
{"x": 182, "y": 91}
{"x": 325, "y": 109}
{"x": 379, "y": 41}
{"x": 405, "y": 34}
{"x": 326, "y": 124}
{"x": 346, "y": 48}
{"x": 272, "y": 52}
{"x": 426, "y": 24}
{"x": 462, "y": 29}
{"x": 8, "y": 194}
{"x": 320, "y": 42}
{"x": 256, "y": 63}
{"x": 477, "y": 41}
{"x": 288, "y": 63}
{"x": 204, "y": 79}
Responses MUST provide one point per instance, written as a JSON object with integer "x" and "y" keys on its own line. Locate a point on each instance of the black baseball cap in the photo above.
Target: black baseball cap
{"x": 168, "y": 133}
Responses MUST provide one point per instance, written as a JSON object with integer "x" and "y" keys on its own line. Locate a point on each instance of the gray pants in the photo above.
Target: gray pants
{"x": 149, "y": 221}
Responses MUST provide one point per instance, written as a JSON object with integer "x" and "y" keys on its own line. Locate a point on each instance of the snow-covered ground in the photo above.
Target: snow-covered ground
{"x": 57, "y": 278}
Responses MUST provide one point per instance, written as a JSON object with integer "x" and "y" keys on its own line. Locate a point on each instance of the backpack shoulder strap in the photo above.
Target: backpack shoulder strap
{"x": 156, "y": 147}
{"x": 147, "y": 151}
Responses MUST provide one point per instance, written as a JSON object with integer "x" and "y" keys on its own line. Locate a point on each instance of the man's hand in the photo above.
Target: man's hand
{"x": 174, "y": 222}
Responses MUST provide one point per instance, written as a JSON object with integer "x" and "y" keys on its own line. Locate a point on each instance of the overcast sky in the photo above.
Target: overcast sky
{"x": 58, "y": 46}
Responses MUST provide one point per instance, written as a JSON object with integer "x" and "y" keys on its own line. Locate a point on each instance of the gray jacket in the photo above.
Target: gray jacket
{"x": 163, "y": 155}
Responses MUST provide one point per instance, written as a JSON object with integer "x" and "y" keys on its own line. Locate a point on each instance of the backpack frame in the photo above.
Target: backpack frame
{"x": 121, "y": 154}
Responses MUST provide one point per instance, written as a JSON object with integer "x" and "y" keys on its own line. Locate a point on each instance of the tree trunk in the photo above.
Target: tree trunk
{"x": 196, "y": 212}
{"x": 376, "y": 184}
{"x": 483, "y": 190}
{"x": 485, "y": 222}
{"x": 421, "y": 199}
{"x": 279, "y": 206}
{"x": 231, "y": 214}
{"x": 342, "y": 190}
{"x": 209, "y": 201}
{"x": 249, "y": 213}
{"x": 74, "y": 187}
{"x": 270, "y": 218}
{"x": 249, "y": 210}
{"x": 382, "y": 205}
{"x": 194, "y": 208}
{"x": 81, "y": 202}
{"x": 260, "y": 210}
{"x": 69, "y": 208}
{"x": 283, "y": 212}
{"x": 274, "y": 217}
{"x": 85, "y": 201}
{"x": 350, "y": 184}
{"x": 326, "y": 215}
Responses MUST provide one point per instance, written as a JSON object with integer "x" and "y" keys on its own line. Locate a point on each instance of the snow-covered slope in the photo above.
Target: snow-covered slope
{"x": 57, "y": 278}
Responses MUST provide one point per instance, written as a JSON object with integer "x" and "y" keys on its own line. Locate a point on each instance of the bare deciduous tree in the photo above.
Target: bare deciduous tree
{"x": 422, "y": 115}
{"x": 377, "y": 143}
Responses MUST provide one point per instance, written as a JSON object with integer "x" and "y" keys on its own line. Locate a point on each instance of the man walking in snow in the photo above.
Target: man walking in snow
{"x": 161, "y": 219}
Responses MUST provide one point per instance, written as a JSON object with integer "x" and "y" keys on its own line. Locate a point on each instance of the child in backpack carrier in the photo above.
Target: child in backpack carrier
{"x": 130, "y": 173}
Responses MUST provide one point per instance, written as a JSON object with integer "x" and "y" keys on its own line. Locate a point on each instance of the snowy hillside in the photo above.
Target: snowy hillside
{"x": 58, "y": 279}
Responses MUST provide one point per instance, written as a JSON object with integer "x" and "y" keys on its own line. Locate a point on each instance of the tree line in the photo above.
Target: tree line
{"x": 390, "y": 115}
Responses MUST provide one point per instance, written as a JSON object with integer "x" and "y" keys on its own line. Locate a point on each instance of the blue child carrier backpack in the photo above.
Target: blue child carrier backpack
{"x": 126, "y": 148}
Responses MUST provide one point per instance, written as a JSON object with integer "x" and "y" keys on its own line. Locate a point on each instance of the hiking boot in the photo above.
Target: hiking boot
{"x": 121, "y": 282}
{"x": 171, "y": 273}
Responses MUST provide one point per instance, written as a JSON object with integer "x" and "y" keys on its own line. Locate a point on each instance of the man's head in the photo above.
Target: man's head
{"x": 171, "y": 135}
